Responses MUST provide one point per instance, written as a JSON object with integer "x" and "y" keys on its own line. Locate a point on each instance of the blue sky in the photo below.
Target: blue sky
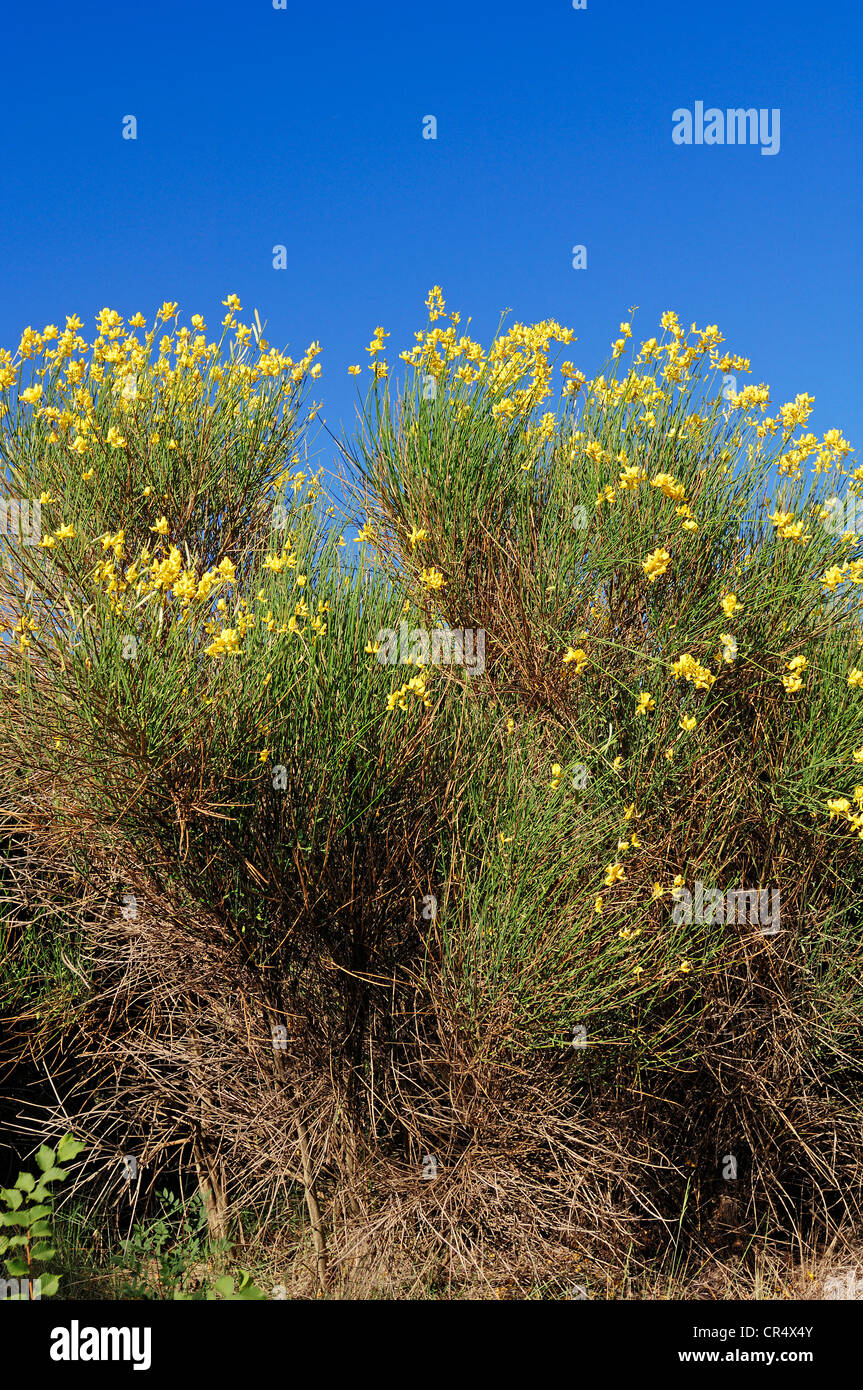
{"x": 303, "y": 127}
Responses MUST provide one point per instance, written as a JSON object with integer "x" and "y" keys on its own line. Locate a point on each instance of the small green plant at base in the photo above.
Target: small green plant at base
{"x": 163, "y": 1251}
{"x": 29, "y": 1207}
{"x": 223, "y": 1288}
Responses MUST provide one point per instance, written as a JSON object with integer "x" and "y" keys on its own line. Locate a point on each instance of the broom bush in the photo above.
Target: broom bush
{"x": 543, "y": 955}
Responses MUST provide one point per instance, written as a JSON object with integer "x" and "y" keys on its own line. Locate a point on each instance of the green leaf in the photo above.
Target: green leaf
{"x": 41, "y": 1228}
{"x": 12, "y": 1197}
{"x": 252, "y": 1291}
{"x": 53, "y": 1174}
{"x": 14, "y": 1218}
{"x": 38, "y": 1214}
{"x": 224, "y": 1285}
{"x": 25, "y": 1181}
{"x": 17, "y": 1267}
{"x": 69, "y": 1148}
{"x": 42, "y": 1250}
{"x": 4, "y": 1244}
{"x": 14, "y": 1242}
{"x": 46, "y": 1158}
{"x": 48, "y": 1285}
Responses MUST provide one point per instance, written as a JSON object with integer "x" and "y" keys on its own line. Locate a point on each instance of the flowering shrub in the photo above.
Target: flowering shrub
{"x": 671, "y": 692}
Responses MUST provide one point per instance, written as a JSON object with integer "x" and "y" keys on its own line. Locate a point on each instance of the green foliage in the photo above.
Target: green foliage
{"x": 35, "y": 1236}
{"x": 164, "y": 1254}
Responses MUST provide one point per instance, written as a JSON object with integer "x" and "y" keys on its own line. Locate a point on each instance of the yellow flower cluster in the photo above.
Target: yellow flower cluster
{"x": 687, "y": 668}
{"x": 656, "y": 564}
{"x": 136, "y": 370}
{"x": 670, "y": 488}
{"x": 788, "y": 528}
{"x": 840, "y": 808}
{"x": 519, "y": 355}
{"x": 431, "y": 579}
{"x": 837, "y": 574}
{"x": 795, "y": 668}
{"x": 286, "y": 560}
{"x": 578, "y": 655}
{"x": 416, "y": 686}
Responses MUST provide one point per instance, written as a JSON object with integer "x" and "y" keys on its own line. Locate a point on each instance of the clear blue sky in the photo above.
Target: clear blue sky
{"x": 303, "y": 127}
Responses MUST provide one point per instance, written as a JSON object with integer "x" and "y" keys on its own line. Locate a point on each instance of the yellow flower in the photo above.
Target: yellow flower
{"x": 857, "y": 755}
{"x": 354, "y": 371}
{"x": 617, "y": 764}
{"x": 510, "y": 725}
{"x": 597, "y": 906}
{"x": 263, "y": 755}
{"x": 227, "y": 641}
{"x": 232, "y": 302}
{"x": 416, "y": 537}
{"x": 855, "y": 677}
{"x": 656, "y": 564}
{"x": 832, "y": 577}
{"x": 629, "y": 812}
{"x": 46, "y": 499}
{"x": 670, "y": 487}
{"x": 85, "y": 477}
{"x": 168, "y": 310}
{"x": 66, "y": 533}
{"x": 685, "y": 967}
{"x": 657, "y": 891}
{"x": 729, "y": 604}
{"x": 114, "y": 438}
{"x": 638, "y": 971}
{"x": 686, "y": 666}
{"x": 614, "y": 874}
{"x": 578, "y": 655}
{"x": 161, "y": 527}
{"x": 688, "y": 723}
{"x": 432, "y": 579}
{"x": 645, "y": 702}
{"x": 372, "y": 648}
